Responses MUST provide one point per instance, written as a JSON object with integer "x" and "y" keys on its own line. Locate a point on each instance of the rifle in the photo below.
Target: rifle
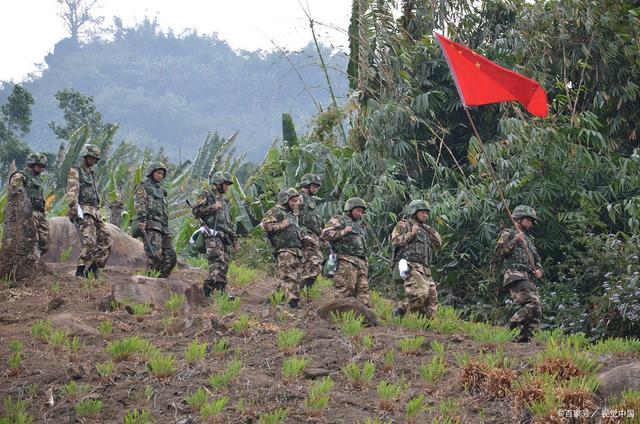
{"x": 145, "y": 237}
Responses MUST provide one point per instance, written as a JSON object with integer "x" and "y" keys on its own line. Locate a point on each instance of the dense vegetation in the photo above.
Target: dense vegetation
{"x": 408, "y": 137}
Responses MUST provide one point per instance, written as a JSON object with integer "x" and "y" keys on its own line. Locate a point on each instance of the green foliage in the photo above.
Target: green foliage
{"x": 221, "y": 347}
{"x": 318, "y": 397}
{"x": 388, "y": 393}
{"x": 195, "y": 352}
{"x": 197, "y": 399}
{"x": 136, "y": 416}
{"x": 310, "y": 293}
{"x": 349, "y": 322}
{"x": 74, "y": 389}
{"x": 432, "y": 371}
{"x": 221, "y": 380}
{"x": 88, "y": 408}
{"x": 140, "y": 309}
{"x": 359, "y": 377}
{"x": 242, "y": 324}
{"x": 616, "y": 346}
{"x": 288, "y": 340}
{"x": 15, "y": 412}
{"x": 59, "y": 339}
{"x": 488, "y": 334}
{"x": 416, "y": 322}
{"x": 65, "y": 254}
{"x": 415, "y": 408}
{"x": 278, "y": 297}
{"x": 388, "y": 359}
{"x": 292, "y": 367}
{"x": 241, "y": 275}
{"x": 276, "y": 417}
{"x": 224, "y": 304}
{"x": 289, "y": 130}
{"x": 105, "y": 369}
{"x": 161, "y": 366}
{"x": 15, "y": 121}
{"x": 446, "y": 320}
{"x": 105, "y": 328}
{"x": 123, "y": 349}
{"x": 15, "y": 357}
{"x": 411, "y": 345}
{"x": 41, "y": 330}
{"x": 213, "y": 408}
{"x": 367, "y": 342}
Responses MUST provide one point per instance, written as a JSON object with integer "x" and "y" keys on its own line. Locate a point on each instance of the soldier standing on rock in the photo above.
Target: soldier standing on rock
{"x": 153, "y": 221}
{"x": 413, "y": 240}
{"x": 521, "y": 263}
{"x": 347, "y": 237}
{"x": 312, "y": 224}
{"x": 214, "y": 210}
{"x": 28, "y": 180}
{"x": 284, "y": 232}
{"x": 84, "y": 213}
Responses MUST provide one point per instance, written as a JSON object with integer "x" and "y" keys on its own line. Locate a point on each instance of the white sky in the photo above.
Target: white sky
{"x": 30, "y": 28}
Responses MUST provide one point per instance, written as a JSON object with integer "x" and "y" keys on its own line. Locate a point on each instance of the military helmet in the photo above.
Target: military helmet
{"x": 154, "y": 166}
{"x": 415, "y": 206}
{"x": 90, "y": 150}
{"x": 308, "y": 179}
{"x": 523, "y": 211}
{"x": 37, "y": 159}
{"x": 354, "y": 202}
{"x": 221, "y": 177}
{"x": 286, "y": 194}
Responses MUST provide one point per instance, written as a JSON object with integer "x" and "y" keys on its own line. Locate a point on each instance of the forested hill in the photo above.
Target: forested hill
{"x": 168, "y": 90}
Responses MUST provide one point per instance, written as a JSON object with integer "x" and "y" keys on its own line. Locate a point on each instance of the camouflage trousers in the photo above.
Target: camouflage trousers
{"x": 312, "y": 258}
{"x": 420, "y": 289}
{"x": 161, "y": 256}
{"x": 218, "y": 259}
{"x": 42, "y": 231}
{"x": 351, "y": 278}
{"x": 288, "y": 272}
{"x": 523, "y": 292}
{"x": 96, "y": 241}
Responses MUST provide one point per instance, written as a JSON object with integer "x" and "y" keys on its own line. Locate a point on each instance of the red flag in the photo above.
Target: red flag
{"x": 481, "y": 81}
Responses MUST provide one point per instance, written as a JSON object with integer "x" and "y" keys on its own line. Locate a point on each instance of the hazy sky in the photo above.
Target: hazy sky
{"x": 30, "y": 28}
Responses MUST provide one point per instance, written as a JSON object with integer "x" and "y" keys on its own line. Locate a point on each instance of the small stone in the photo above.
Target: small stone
{"x": 313, "y": 373}
{"x": 55, "y": 303}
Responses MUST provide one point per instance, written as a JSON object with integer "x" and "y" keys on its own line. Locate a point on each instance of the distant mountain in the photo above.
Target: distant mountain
{"x": 169, "y": 91}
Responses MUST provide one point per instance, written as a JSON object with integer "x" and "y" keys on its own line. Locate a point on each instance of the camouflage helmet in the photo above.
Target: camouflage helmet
{"x": 354, "y": 202}
{"x": 221, "y": 177}
{"x": 286, "y": 194}
{"x": 154, "y": 166}
{"x": 524, "y": 211}
{"x": 308, "y": 179}
{"x": 90, "y": 150}
{"x": 415, "y": 206}
{"x": 37, "y": 159}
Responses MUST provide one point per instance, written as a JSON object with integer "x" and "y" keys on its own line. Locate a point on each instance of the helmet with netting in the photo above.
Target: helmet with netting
{"x": 90, "y": 150}
{"x": 308, "y": 179}
{"x": 354, "y": 202}
{"x": 524, "y": 211}
{"x": 221, "y": 177}
{"x": 286, "y": 194}
{"x": 37, "y": 159}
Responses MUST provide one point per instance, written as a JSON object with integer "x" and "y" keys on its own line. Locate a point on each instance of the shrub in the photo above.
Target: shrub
{"x": 195, "y": 352}
{"x": 213, "y": 408}
{"x": 318, "y": 397}
{"x": 223, "y": 379}
{"x": 59, "y": 339}
{"x": 221, "y": 347}
{"x": 388, "y": 359}
{"x": 161, "y": 366}
{"x": 15, "y": 412}
{"x": 349, "y": 322}
{"x": 278, "y": 297}
{"x": 105, "y": 369}
{"x": 241, "y": 325}
{"x": 74, "y": 390}
{"x": 88, "y": 408}
{"x": 309, "y": 294}
{"x": 41, "y": 330}
{"x": 292, "y": 367}
{"x": 140, "y": 310}
{"x": 196, "y": 399}
{"x": 411, "y": 345}
{"x": 358, "y": 377}
{"x": 367, "y": 342}
{"x": 434, "y": 370}
{"x": 415, "y": 408}
{"x": 136, "y": 416}
{"x": 174, "y": 303}
{"x": 241, "y": 275}
{"x": 226, "y": 305}
{"x": 413, "y": 321}
{"x": 486, "y": 334}
{"x": 276, "y": 417}
{"x": 288, "y": 340}
{"x": 15, "y": 358}
{"x": 388, "y": 393}
{"x": 616, "y": 346}
{"x": 123, "y": 349}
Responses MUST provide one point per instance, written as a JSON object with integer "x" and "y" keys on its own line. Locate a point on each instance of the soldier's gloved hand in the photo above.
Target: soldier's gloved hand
{"x": 348, "y": 229}
{"x": 537, "y": 273}
{"x": 217, "y": 206}
{"x": 415, "y": 228}
{"x": 235, "y": 246}
{"x": 285, "y": 224}
{"x": 142, "y": 226}
{"x": 519, "y": 238}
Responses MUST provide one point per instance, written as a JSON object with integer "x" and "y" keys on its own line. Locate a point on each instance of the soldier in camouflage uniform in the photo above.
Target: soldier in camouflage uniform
{"x": 214, "y": 211}
{"x": 153, "y": 220}
{"x": 521, "y": 263}
{"x": 285, "y": 234}
{"x": 347, "y": 237}
{"x": 414, "y": 240}
{"x": 29, "y": 180}
{"x": 311, "y": 223}
{"x": 82, "y": 192}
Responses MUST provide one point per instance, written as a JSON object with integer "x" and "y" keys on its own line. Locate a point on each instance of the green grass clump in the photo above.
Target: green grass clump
{"x": 565, "y": 358}
{"x": 15, "y": 357}
{"x": 74, "y": 390}
{"x": 309, "y": 294}
{"x": 388, "y": 393}
{"x": 124, "y": 349}
{"x": 367, "y": 342}
{"x": 288, "y": 340}
{"x": 318, "y": 397}
{"x": 15, "y": 412}
{"x": 388, "y": 359}
{"x": 136, "y": 416}
{"x": 432, "y": 371}
{"x": 241, "y": 275}
{"x": 59, "y": 339}
{"x": 195, "y": 352}
{"x": 105, "y": 369}
{"x": 278, "y": 416}
{"x": 242, "y": 324}
{"x": 415, "y": 408}
{"x": 486, "y": 334}
{"x": 617, "y": 346}
{"x": 198, "y": 398}
{"x": 65, "y": 254}
{"x": 415, "y": 322}
{"x": 41, "y": 330}
{"x": 161, "y": 366}
{"x": 174, "y": 303}
{"x": 88, "y": 408}
{"x": 350, "y": 323}
{"x": 225, "y": 305}
{"x": 382, "y": 307}
{"x": 359, "y": 377}
{"x": 140, "y": 310}
{"x": 411, "y": 345}
{"x": 292, "y": 367}
{"x": 221, "y": 347}
{"x": 446, "y": 321}
{"x": 278, "y": 297}
{"x": 214, "y": 408}
{"x": 223, "y": 379}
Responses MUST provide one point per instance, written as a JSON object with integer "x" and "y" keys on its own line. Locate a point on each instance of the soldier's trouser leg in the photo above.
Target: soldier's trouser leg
{"x": 88, "y": 232}
{"x": 312, "y": 260}
{"x": 169, "y": 256}
{"x": 103, "y": 244}
{"x": 218, "y": 259}
{"x": 153, "y": 250}
{"x": 351, "y": 280}
{"x": 288, "y": 271}
{"x": 523, "y": 292}
{"x": 42, "y": 229}
{"x": 422, "y": 296}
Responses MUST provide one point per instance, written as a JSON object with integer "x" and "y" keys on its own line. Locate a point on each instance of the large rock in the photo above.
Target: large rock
{"x": 125, "y": 251}
{"x": 348, "y": 304}
{"x": 156, "y": 291}
{"x": 619, "y": 379}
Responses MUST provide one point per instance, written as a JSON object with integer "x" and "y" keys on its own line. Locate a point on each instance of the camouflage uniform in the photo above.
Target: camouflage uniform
{"x": 82, "y": 190}
{"x": 518, "y": 274}
{"x": 311, "y": 223}
{"x": 416, "y": 249}
{"x": 219, "y": 221}
{"x": 151, "y": 208}
{"x": 353, "y": 267}
{"x": 284, "y": 232}
{"x": 31, "y": 183}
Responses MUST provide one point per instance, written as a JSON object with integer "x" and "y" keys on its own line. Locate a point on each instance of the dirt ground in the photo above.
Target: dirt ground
{"x": 260, "y": 384}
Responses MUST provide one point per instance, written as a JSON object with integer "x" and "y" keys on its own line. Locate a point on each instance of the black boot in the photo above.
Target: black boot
{"x": 80, "y": 271}
{"x": 308, "y": 282}
{"x": 294, "y": 303}
{"x": 525, "y": 335}
{"x": 221, "y": 286}
{"x": 398, "y": 312}
{"x": 207, "y": 287}
{"x": 93, "y": 270}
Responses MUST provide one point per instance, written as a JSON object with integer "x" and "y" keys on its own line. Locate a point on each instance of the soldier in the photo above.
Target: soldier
{"x": 521, "y": 262}
{"x": 413, "y": 240}
{"x": 311, "y": 223}
{"x": 214, "y": 211}
{"x": 153, "y": 221}
{"x": 284, "y": 232}
{"x": 84, "y": 213}
{"x": 346, "y": 235}
{"x": 29, "y": 180}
